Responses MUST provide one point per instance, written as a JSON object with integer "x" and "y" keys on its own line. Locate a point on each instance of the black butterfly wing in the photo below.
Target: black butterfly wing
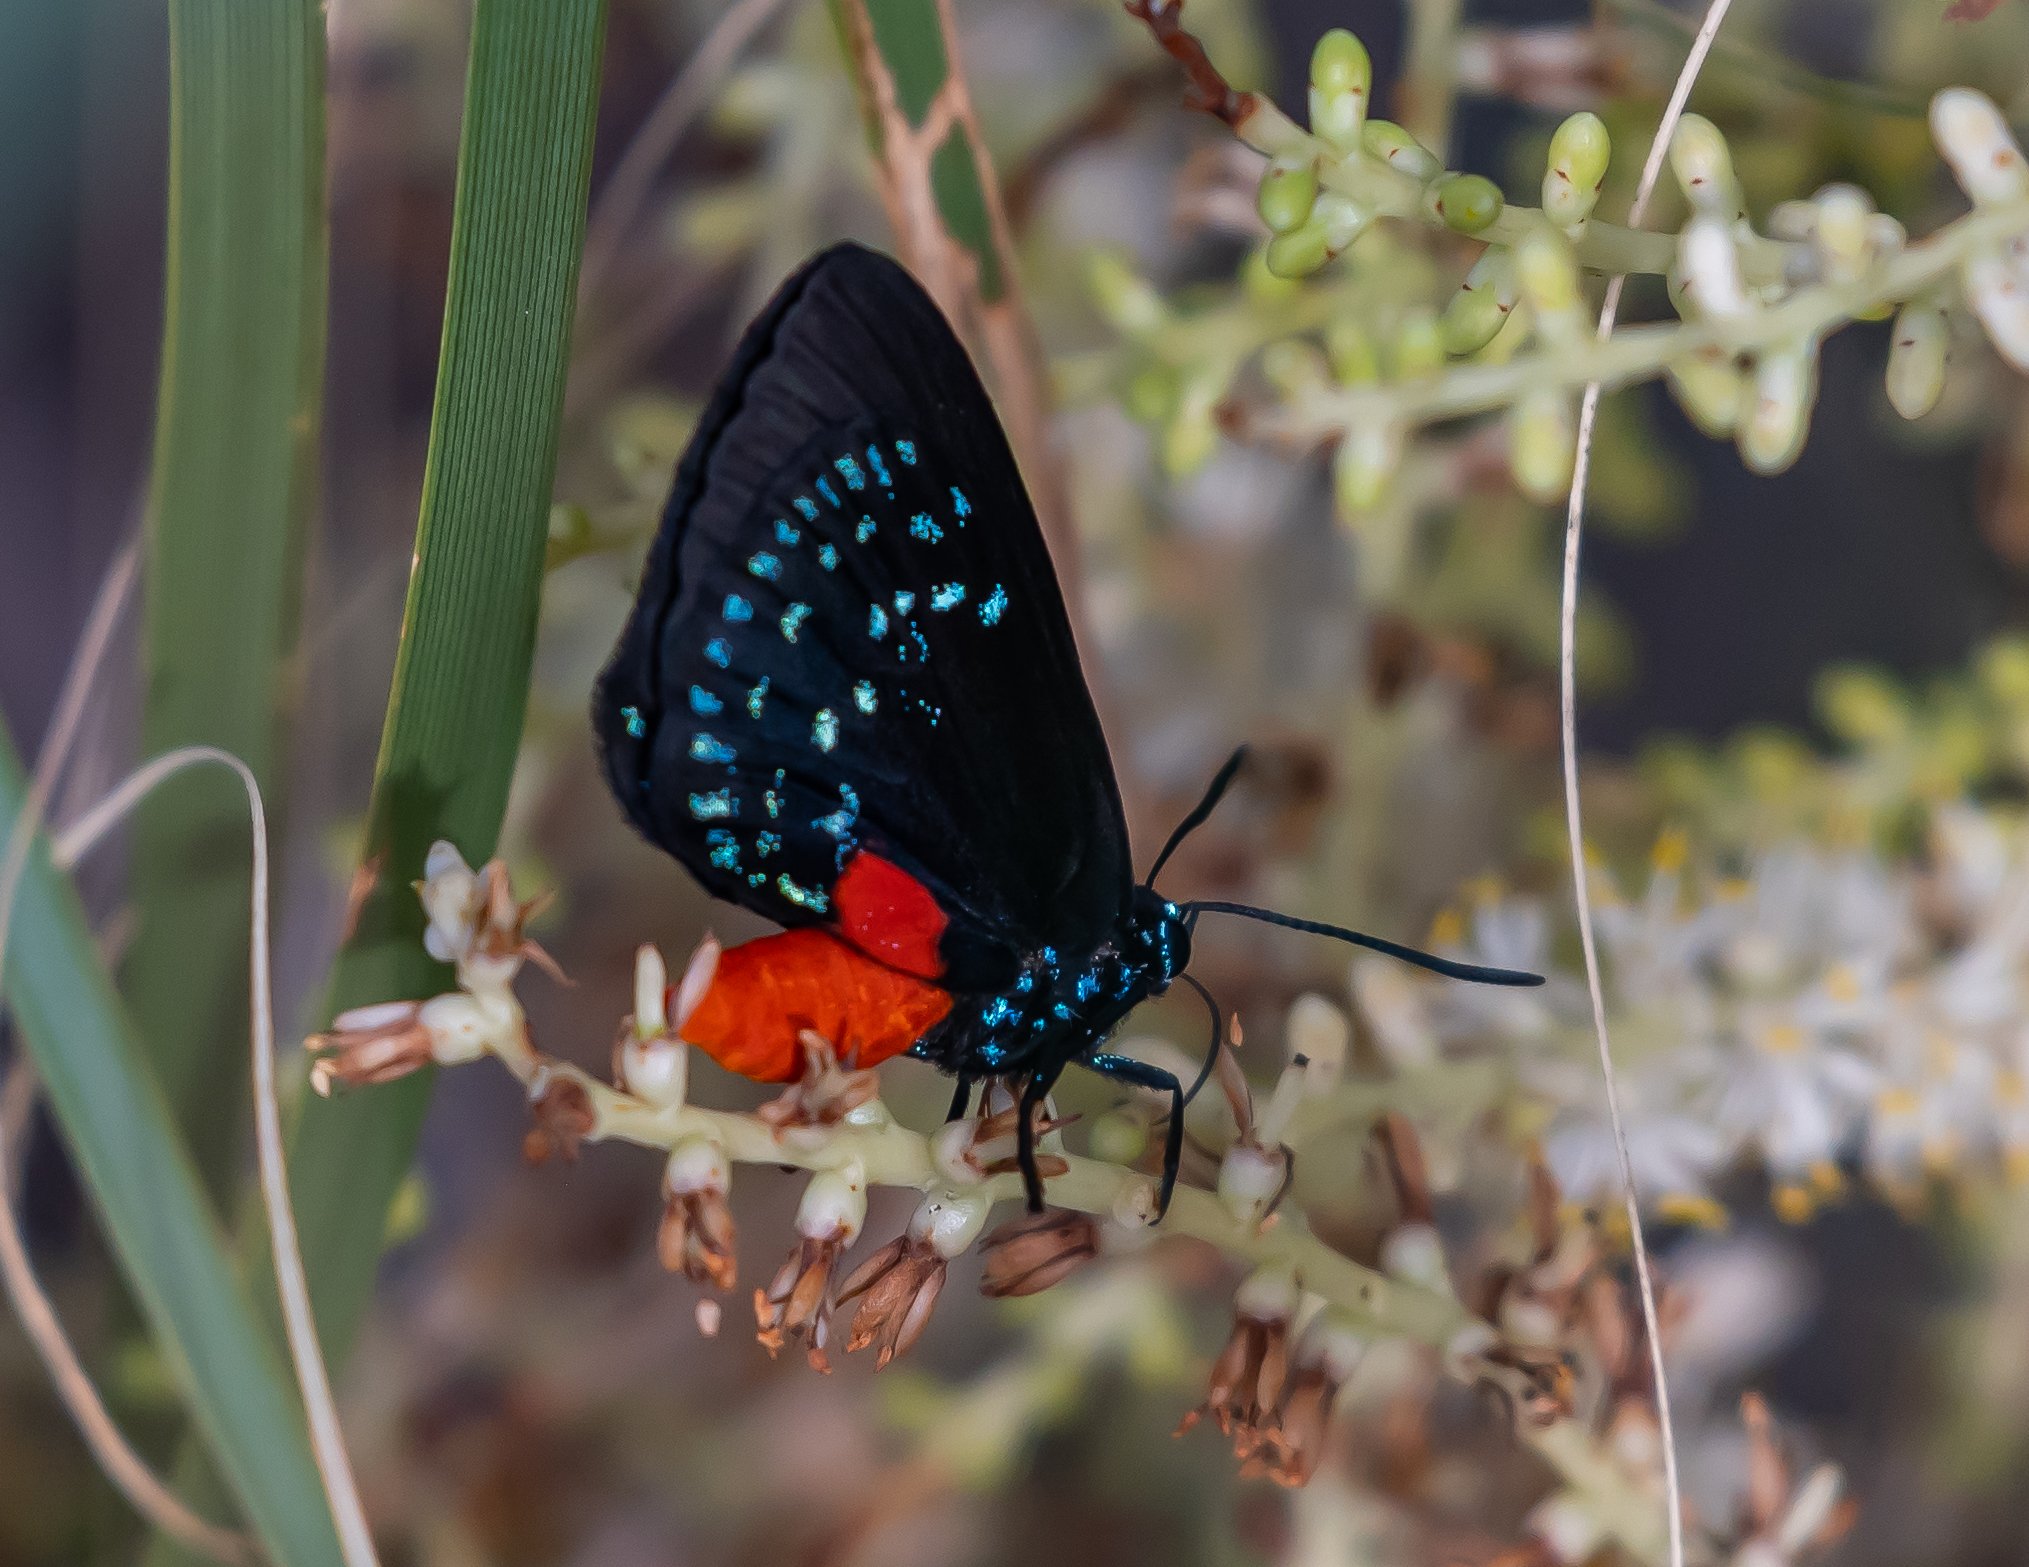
{"x": 849, "y": 638}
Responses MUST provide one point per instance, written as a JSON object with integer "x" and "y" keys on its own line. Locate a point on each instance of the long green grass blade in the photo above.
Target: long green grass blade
{"x": 118, "y": 1127}
{"x": 231, "y": 492}
{"x": 468, "y": 634}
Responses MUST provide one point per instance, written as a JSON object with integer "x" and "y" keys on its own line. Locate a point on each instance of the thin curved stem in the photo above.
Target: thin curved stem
{"x": 1574, "y": 526}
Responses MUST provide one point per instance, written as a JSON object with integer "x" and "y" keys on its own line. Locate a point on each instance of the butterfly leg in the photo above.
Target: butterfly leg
{"x": 1126, "y": 1069}
{"x": 961, "y": 1098}
{"x": 1036, "y": 1091}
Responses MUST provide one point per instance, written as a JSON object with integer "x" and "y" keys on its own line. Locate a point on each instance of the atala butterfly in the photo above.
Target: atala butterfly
{"x": 847, "y": 698}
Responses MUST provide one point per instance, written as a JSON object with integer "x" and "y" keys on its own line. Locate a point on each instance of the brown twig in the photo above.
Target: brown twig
{"x": 1208, "y": 90}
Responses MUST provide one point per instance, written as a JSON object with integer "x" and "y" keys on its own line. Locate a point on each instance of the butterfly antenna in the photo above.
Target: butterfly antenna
{"x": 1218, "y": 1038}
{"x": 1221, "y": 781}
{"x": 1476, "y": 973}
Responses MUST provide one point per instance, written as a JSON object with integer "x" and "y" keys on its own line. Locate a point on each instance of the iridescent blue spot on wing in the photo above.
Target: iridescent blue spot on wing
{"x": 824, "y": 729}
{"x": 725, "y": 849}
{"x": 881, "y": 475}
{"x": 923, "y": 526}
{"x": 709, "y": 748}
{"x": 811, "y": 898}
{"x": 994, "y": 607}
{"x": 948, "y": 597}
{"x": 703, "y": 703}
{"x": 906, "y": 450}
{"x": 863, "y": 697}
{"x": 904, "y": 602}
{"x": 864, "y": 531}
{"x": 877, "y": 621}
{"x": 756, "y": 695}
{"x": 764, "y": 565}
{"x": 773, "y": 802}
{"x": 766, "y": 843}
{"x": 824, "y": 488}
{"x": 808, "y": 507}
{"x": 827, "y": 556}
{"x": 637, "y": 726}
{"x": 737, "y": 610}
{"x": 718, "y": 651}
{"x": 960, "y": 505}
{"x": 785, "y": 535}
{"x": 849, "y": 470}
{"x": 793, "y": 617}
{"x": 715, "y": 806}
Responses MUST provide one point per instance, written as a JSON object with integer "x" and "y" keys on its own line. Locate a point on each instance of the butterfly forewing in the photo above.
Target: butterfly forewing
{"x": 850, "y": 640}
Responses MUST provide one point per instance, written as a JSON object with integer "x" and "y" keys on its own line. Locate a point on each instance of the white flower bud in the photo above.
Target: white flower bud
{"x": 1414, "y": 1252}
{"x": 1778, "y": 415}
{"x": 1547, "y": 270}
{"x": 1703, "y": 165}
{"x": 1810, "y": 1509}
{"x": 656, "y": 1071}
{"x": 1844, "y": 238}
{"x": 1977, "y": 143}
{"x": 451, "y": 902}
{"x": 1709, "y": 260}
{"x": 834, "y": 1205}
{"x": 1268, "y": 1294}
{"x": 1250, "y": 1178}
{"x": 697, "y": 1164}
{"x": 1916, "y": 358}
{"x": 950, "y": 1145}
{"x": 1341, "y": 221}
{"x": 651, "y": 981}
{"x": 697, "y": 979}
{"x": 1318, "y": 1034}
{"x": 1999, "y": 294}
{"x": 461, "y": 1028}
{"x": 1333, "y": 1341}
{"x": 948, "y": 1223}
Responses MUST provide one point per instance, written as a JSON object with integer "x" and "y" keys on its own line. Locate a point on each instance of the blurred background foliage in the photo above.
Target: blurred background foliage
{"x": 1818, "y": 664}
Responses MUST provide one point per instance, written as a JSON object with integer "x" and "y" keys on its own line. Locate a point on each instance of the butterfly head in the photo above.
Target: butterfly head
{"x": 1158, "y": 938}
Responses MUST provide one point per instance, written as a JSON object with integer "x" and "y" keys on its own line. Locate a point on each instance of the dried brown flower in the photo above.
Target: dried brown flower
{"x": 896, "y": 1288}
{"x": 696, "y": 1236}
{"x": 374, "y": 1044}
{"x": 562, "y": 1107}
{"x": 1245, "y": 1390}
{"x": 1026, "y": 1256}
{"x": 798, "y": 1302}
{"x": 826, "y": 1094}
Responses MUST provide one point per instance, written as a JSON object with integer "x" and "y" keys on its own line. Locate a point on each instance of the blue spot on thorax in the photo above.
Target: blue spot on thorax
{"x": 864, "y": 531}
{"x": 949, "y": 596}
{"x": 880, "y": 468}
{"x": 703, "y": 703}
{"x": 785, "y": 535}
{"x": 923, "y": 526}
{"x": 709, "y": 748}
{"x": 877, "y": 621}
{"x": 906, "y": 450}
{"x": 807, "y": 507}
{"x": 849, "y": 470}
{"x": 715, "y": 806}
{"x": 824, "y": 488}
{"x": 827, "y": 556}
{"x": 737, "y": 610}
{"x": 960, "y": 506}
{"x": 756, "y": 696}
{"x": 764, "y": 565}
{"x": 792, "y": 618}
{"x": 994, "y": 607}
{"x": 718, "y": 651}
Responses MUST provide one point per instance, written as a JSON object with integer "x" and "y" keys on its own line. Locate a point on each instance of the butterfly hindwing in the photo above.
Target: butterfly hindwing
{"x": 848, "y": 693}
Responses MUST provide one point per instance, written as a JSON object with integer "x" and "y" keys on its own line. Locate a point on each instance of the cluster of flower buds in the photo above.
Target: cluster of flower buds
{"x": 474, "y": 923}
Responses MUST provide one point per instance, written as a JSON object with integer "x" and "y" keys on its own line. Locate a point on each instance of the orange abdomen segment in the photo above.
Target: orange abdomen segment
{"x": 766, "y": 992}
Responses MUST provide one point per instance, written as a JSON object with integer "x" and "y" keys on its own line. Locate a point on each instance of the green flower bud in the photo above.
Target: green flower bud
{"x": 1124, "y": 297}
{"x": 1977, "y": 143}
{"x": 1294, "y": 368}
{"x": 1300, "y": 252}
{"x": 1117, "y": 1137}
{"x": 1350, "y": 353}
{"x": 1779, "y": 408}
{"x": 1467, "y": 202}
{"x": 1542, "y": 444}
{"x": 1916, "y": 358}
{"x": 1579, "y": 151}
{"x": 1193, "y": 432}
{"x": 1288, "y": 192}
{"x": 1843, "y": 237}
{"x": 1711, "y": 390}
{"x": 1365, "y": 462}
{"x": 1341, "y": 75}
{"x": 1152, "y": 393}
{"x": 1862, "y": 707}
{"x": 1703, "y": 164}
{"x": 1547, "y": 270}
{"x": 1419, "y": 345}
{"x": 1480, "y": 308}
{"x": 1394, "y": 146}
{"x": 1260, "y": 286}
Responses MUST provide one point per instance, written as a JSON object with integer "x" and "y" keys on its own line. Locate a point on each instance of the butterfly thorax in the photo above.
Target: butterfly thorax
{"x": 1064, "y": 1004}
